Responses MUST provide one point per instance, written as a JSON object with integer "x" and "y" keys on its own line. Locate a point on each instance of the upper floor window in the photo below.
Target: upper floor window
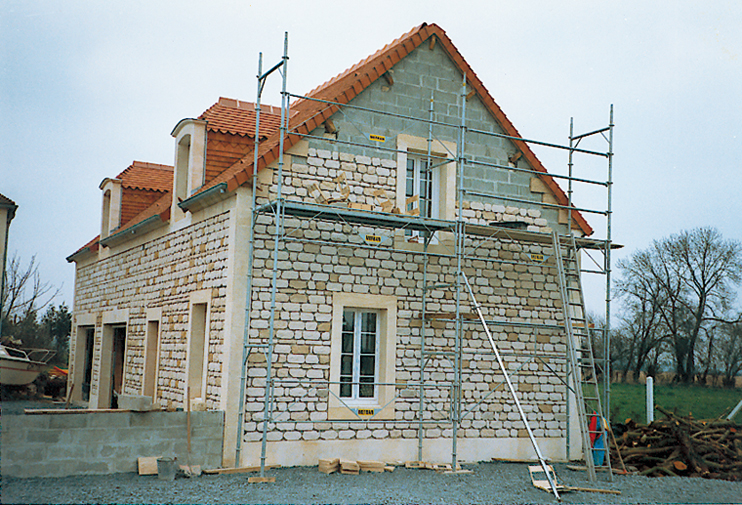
{"x": 422, "y": 181}
{"x": 190, "y": 158}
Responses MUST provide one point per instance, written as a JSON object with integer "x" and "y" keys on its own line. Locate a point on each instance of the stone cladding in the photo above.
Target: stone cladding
{"x": 319, "y": 259}
{"x": 162, "y": 274}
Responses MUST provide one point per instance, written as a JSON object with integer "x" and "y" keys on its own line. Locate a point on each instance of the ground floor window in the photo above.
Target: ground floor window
{"x": 359, "y": 359}
{"x": 363, "y": 356}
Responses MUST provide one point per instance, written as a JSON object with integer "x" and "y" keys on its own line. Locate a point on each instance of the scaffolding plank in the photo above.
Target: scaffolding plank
{"x": 358, "y": 216}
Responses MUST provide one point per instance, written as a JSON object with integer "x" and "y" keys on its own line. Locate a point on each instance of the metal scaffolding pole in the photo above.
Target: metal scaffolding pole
{"x": 278, "y": 227}
{"x": 460, "y": 243}
{"x": 246, "y": 349}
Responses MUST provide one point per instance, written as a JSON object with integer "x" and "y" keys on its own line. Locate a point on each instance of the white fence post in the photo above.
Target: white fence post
{"x": 650, "y": 400}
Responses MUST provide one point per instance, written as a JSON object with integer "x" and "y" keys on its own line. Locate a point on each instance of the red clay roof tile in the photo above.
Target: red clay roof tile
{"x": 148, "y": 176}
{"x": 238, "y": 118}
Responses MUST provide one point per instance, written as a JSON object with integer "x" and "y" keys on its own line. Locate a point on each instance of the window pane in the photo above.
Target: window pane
{"x": 346, "y": 365}
{"x": 348, "y": 321}
{"x": 369, "y": 322}
{"x": 347, "y": 344}
{"x": 366, "y": 390}
{"x": 346, "y": 390}
{"x": 410, "y": 188}
{"x": 368, "y": 367}
{"x": 368, "y": 343}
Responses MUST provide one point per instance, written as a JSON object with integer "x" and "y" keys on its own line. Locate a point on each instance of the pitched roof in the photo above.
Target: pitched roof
{"x": 229, "y": 117}
{"x": 148, "y": 176}
{"x": 238, "y": 118}
{"x": 7, "y": 203}
{"x": 306, "y": 115}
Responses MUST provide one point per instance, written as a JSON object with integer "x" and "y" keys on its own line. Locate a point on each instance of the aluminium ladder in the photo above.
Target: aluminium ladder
{"x": 549, "y": 475}
{"x": 581, "y": 358}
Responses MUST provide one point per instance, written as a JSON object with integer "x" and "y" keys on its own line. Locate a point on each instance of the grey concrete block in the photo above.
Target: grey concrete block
{"x": 90, "y": 467}
{"x": 112, "y": 420}
{"x": 43, "y": 436}
{"x": 25, "y": 421}
{"x": 137, "y": 403}
{"x": 146, "y": 419}
{"x": 68, "y": 421}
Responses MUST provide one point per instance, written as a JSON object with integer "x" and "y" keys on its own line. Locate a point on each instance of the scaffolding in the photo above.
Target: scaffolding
{"x": 457, "y": 241}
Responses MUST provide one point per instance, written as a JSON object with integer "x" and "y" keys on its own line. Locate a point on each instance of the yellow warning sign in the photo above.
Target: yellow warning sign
{"x": 373, "y": 239}
{"x": 377, "y": 138}
{"x": 366, "y": 412}
{"x": 537, "y": 257}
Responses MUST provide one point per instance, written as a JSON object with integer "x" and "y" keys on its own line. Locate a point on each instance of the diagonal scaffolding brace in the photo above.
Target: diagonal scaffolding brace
{"x": 540, "y": 457}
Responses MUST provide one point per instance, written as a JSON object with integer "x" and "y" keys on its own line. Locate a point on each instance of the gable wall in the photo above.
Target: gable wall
{"x": 415, "y": 77}
{"x": 322, "y": 261}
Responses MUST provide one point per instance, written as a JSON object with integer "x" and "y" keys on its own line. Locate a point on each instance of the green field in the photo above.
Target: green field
{"x": 629, "y": 401}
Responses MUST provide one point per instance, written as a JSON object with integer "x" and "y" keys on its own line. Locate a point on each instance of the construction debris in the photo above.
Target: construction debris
{"x": 329, "y": 465}
{"x": 147, "y": 466}
{"x": 539, "y": 480}
{"x": 244, "y": 469}
{"x": 682, "y": 446}
{"x": 348, "y": 467}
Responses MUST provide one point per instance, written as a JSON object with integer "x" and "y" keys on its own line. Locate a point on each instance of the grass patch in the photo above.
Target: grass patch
{"x": 629, "y": 401}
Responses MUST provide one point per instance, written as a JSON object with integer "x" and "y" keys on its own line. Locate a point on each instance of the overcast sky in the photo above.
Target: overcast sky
{"x": 88, "y": 87}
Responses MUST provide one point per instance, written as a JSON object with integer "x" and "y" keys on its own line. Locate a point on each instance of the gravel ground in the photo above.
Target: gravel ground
{"x": 495, "y": 482}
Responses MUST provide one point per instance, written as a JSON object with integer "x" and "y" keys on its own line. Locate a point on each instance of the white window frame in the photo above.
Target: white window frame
{"x": 386, "y": 351}
{"x": 356, "y": 356}
{"x": 444, "y": 183}
{"x": 418, "y": 163}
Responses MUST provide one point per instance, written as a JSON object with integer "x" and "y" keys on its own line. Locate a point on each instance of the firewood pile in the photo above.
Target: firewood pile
{"x": 682, "y": 446}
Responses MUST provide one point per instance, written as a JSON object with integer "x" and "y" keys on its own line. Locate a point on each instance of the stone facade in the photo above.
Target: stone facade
{"x": 160, "y": 274}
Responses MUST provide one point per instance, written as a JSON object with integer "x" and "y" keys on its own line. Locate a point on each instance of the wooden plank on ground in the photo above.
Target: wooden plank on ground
{"x": 415, "y": 464}
{"x": 244, "y": 469}
{"x": 329, "y": 466}
{"x": 591, "y": 490}
{"x": 147, "y": 465}
{"x": 255, "y": 480}
{"x": 349, "y": 467}
{"x": 71, "y": 411}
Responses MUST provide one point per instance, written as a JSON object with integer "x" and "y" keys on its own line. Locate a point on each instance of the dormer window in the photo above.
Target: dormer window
{"x": 111, "y": 207}
{"x": 190, "y": 156}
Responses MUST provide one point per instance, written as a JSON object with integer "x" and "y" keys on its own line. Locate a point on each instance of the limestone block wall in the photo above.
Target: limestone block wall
{"x": 162, "y": 274}
{"x": 325, "y": 176}
{"x": 311, "y": 274}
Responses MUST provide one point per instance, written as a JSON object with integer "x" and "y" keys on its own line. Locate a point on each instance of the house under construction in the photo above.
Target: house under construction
{"x": 379, "y": 269}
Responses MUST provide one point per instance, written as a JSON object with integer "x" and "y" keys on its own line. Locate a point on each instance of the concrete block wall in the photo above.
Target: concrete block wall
{"x": 421, "y": 74}
{"x": 86, "y": 443}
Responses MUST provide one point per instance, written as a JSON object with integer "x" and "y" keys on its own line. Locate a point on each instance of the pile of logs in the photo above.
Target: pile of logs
{"x": 681, "y": 446}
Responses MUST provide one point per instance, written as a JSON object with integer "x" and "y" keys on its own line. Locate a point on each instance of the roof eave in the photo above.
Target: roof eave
{"x": 206, "y": 198}
{"x": 149, "y": 224}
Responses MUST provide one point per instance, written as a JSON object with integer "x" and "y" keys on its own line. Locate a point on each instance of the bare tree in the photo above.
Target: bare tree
{"x": 679, "y": 287}
{"x": 645, "y": 294}
{"x": 730, "y": 352}
{"x": 25, "y": 292}
{"x": 708, "y": 267}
